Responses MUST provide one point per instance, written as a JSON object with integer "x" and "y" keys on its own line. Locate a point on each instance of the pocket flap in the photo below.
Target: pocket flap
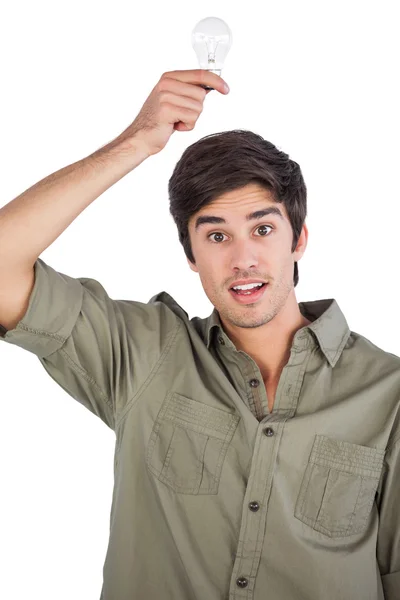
{"x": 345, "y": 456}
{"x": 199, "y": 417}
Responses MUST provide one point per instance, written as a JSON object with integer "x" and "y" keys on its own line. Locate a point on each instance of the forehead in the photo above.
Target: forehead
{"x": 239, "y": 205}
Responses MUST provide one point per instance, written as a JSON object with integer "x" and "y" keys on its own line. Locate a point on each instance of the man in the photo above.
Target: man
{"x": 257, "y": 450}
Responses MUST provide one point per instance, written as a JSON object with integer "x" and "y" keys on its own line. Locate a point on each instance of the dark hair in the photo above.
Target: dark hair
{"x": 222, "y": 162}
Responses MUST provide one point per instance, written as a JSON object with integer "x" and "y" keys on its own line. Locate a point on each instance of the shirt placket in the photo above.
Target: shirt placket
{"x": 255, "y": 507}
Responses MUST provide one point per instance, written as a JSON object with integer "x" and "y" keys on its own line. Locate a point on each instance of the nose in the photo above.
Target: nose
{"x": 244, "y": 256}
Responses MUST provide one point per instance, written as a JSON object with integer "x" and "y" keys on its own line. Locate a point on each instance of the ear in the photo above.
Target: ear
{"x": 192, "y": 265}
{"x": 301, "y": 244}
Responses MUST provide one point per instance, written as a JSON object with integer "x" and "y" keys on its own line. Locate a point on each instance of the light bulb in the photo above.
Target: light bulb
{"x": 211, "y": 40}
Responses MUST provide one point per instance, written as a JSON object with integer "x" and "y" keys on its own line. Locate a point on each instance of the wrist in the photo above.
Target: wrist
{"x": 129, "y": 150}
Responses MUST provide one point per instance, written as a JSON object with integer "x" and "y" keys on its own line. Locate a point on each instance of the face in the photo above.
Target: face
{"x": 241, "y": 249}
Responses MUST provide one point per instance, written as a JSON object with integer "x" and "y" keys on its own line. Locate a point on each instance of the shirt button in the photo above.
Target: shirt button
{"x": 221, "y": 340}
{"x": 268, "y": 431}
{"x": 242, "y": 582}
{"x": 254, "y": 506}
{"x": 254, "y": 382}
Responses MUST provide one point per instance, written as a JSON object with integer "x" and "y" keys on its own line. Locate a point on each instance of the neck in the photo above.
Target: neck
{"x": 270, "y": 344}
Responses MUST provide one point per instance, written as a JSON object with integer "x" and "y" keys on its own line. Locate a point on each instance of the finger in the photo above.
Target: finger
{"x": 182, "y": 101}
{"x": 182, "y": 89}
{"x": 200, "y": 77}
{"x": 181, "y": 126}
{"x": 178, "y": 114}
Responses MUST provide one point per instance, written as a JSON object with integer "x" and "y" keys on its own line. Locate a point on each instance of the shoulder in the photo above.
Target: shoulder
{"x": 366, "y": 350}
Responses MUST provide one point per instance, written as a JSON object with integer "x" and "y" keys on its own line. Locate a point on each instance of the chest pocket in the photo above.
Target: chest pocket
{"x": 188, "y": 444}
{"x": 338, "y": 487}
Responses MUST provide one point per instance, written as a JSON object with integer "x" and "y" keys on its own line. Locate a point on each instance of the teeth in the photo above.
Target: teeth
{"x": 248, "y": 286}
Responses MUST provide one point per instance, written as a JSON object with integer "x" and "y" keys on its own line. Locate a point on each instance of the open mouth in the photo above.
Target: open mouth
{"x": 248, "y": 296}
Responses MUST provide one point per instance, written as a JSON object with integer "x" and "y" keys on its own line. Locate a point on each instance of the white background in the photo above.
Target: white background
{"x": 317, "y": 79}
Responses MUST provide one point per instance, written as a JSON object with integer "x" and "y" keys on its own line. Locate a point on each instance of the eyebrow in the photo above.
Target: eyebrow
{"x": 258, "y": 214}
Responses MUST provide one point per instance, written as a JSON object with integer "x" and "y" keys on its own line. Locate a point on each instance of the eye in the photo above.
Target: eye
{"x": 219, "y": 233}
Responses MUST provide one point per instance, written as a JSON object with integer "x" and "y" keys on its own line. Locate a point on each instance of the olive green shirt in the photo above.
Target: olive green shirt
{"x": 216, "y": 497}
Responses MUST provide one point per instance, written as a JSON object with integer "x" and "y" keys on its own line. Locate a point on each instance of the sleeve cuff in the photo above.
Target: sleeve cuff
{"x": 54, "y": 306}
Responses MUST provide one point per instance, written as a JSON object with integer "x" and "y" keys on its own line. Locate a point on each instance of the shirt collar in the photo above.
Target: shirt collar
{"x": 328, "y": 327}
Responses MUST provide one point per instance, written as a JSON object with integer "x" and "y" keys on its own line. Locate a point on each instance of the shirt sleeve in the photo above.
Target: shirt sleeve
{"x": 99, "y": 350}
{"x": 388, "y": 547}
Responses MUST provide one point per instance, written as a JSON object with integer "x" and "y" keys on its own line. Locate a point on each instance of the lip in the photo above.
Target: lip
{"x": 246, "y": 281}
{"x": 251, "y": 299}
